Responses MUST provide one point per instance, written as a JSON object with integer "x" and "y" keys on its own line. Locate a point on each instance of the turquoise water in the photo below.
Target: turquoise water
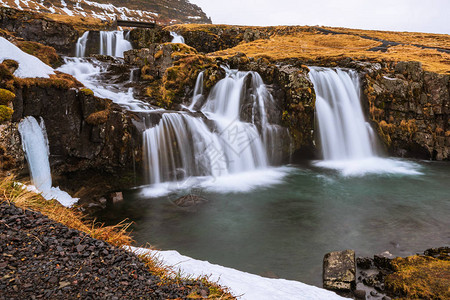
{"x": 284, "y": 230}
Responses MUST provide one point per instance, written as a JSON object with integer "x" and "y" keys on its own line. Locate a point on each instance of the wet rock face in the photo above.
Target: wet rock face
{"x": 339, "y": 271}
{"x": 84, "y": 132}
{"x": 32, "y": 27}
{"x": 144, "y": 37}
{"x": 294, "y": 98}
{"x": 410, "y": 108}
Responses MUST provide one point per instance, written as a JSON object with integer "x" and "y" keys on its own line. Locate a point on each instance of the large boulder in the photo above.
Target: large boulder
{"x": 339, "y": 271}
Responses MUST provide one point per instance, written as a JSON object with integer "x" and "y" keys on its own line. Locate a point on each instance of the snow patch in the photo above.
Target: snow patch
{"x": 242, "y": 284}
{"x": 29, "y": 65}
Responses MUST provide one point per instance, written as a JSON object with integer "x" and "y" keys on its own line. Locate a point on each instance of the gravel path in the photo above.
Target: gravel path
{"x": 42, "y": 259}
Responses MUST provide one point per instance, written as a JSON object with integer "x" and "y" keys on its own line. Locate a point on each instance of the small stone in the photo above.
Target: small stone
{"x": 80, "y": 248}
{"x": 53, "y": 280}
{"x": 63, "y": 284}
{"x": 364, "y": 262}
{"x": 383, "y": 260}
{"x": 386, "y": 298}
{"x": 117, "y": 197}
{"x": 360, "y": 294}
{"x": 374, "y": 294}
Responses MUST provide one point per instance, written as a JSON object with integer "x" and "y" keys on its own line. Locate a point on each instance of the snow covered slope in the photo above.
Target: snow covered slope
{"x": 245, "y": 285}
{"x": 29, "y": 65}
{"x": 164, "y": 12}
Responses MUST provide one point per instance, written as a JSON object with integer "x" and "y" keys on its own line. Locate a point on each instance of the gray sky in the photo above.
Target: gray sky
{"x": 398, "y": 15}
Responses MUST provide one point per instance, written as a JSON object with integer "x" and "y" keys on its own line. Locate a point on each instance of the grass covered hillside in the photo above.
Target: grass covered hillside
{"x": 322, "y": 45}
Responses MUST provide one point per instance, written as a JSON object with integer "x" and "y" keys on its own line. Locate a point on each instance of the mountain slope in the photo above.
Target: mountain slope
{"x": 164, "y": 12}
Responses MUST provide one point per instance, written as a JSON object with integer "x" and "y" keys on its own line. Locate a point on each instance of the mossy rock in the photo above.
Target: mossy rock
{"x": 420, "y": 277}
{"x": 5, "y": 113}
{"x": 45, "y": 53}
{"x": 87, "y": 92}
{"x": 6, "y": 97}
{"x": 98, "y": 118}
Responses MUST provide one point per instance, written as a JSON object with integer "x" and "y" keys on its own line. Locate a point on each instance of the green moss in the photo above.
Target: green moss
{"x": 420, "y": 277}
{"x": 5, "y": 113}
{"x": 87, "y": 92}
{"x": 6, "y": 97}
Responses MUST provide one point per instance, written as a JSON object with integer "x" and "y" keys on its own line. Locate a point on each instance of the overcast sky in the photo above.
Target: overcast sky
{"x": 398, "y": 15}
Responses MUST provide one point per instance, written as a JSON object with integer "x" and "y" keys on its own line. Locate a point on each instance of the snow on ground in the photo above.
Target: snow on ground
{"x": 244, "y": 285}
{"x": 29, "y": 65}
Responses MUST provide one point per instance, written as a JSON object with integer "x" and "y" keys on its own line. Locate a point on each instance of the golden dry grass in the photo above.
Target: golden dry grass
{"x": 315, "y": 47}
{"x": 425, "y": 39}
{"x": 80, "y": 23}
{"x": 117, "y": 235}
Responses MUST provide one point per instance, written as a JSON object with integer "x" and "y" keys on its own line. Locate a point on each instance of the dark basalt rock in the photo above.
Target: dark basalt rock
{"x": 34, "y": 27}
{"x": 383, "y": 260}
{"x": 44, "y": 259}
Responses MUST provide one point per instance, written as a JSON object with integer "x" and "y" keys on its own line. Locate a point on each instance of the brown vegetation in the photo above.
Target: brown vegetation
{"x": 44, "y": 53}
{"x": 313, "y": 48}
{"x": 420, "y": 277}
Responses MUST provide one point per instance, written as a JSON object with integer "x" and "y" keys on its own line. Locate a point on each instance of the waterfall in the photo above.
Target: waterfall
{"x": 227, "y": 133}
{"x": 113, "y": 43}
{"x": 344, "y": 132}
{"x": 176, "y": 38}
{"x": 80, "y": 50}
{"x": 36, "y": 148}
{"x": 347, "y": 140}
{"x": 198, "y": 92}
{"x": 181, "y": 146}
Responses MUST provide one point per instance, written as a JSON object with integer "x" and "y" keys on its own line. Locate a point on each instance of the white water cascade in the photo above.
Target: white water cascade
{"x": 80, "y": 50}
{"x": 344, "y": 132}
{"x": 198, "y": 92}
{"x": 114, "y": 43}
{"x": 176, "y": 38}
{"x": 182, "y": 146}
{"x": 36, "y": 148}
{"x": 192, "y": 145}
{"x": 347, "y": 140}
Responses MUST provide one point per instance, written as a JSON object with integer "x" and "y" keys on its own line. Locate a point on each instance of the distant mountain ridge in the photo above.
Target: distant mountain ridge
{"x": 164, "y": 12}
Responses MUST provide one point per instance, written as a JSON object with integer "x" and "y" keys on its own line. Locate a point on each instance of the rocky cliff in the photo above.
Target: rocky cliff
{"x": 406, "y": 84}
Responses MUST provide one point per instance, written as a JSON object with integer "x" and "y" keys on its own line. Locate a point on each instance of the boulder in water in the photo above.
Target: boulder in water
{"x": 339, "y": 271}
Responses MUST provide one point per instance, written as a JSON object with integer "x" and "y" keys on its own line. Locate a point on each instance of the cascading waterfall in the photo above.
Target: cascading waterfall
{"x": 344, "y": 132}
{"x": 233, "y": 136}
{"x": 36, "y": 148}
{"x": 113, "y": 43}
{"x": 176, "y": 38}
{"x": 347, "y": 140}
{"x": 198, "y": 91}
{"x": 80, "y": 50}
{"x": 181, "y": 146}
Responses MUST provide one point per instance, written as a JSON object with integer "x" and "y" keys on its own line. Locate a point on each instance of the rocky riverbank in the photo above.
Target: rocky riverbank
{"x": 423, "y": 276}
{"x": 43, "y": 259}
